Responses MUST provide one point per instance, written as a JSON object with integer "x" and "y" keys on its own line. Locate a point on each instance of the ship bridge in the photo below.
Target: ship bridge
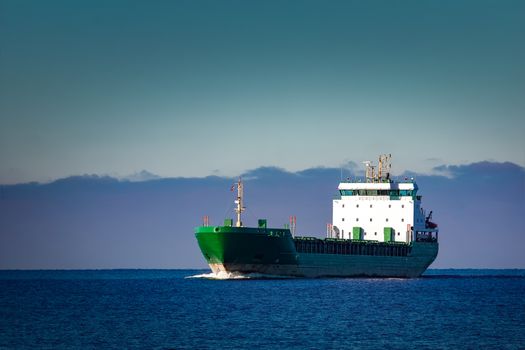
{"x": 379, "y": 209}
{"x": 378, "y": 189}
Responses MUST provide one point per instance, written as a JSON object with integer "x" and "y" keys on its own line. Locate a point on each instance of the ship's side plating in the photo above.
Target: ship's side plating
{"x": 276, "y": 252}
{"x": 420, "y": 256}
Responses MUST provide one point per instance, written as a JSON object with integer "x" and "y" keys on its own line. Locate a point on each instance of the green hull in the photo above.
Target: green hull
{"x": 276, "y": 252}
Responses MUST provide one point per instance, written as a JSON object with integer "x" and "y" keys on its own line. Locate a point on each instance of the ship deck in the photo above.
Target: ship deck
{"x": 312, "y": 245}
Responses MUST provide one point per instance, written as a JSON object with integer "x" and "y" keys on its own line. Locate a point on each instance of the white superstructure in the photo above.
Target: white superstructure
{"x": 379, "y": 209}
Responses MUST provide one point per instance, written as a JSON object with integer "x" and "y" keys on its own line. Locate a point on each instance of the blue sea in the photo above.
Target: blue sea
{"x": 187, "y": 309}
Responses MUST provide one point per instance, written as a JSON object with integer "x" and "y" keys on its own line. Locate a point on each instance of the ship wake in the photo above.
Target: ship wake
{"x": 224, "y": 275}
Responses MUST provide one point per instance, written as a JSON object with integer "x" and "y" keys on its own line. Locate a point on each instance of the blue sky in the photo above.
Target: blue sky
{"x": 193, "y": 88}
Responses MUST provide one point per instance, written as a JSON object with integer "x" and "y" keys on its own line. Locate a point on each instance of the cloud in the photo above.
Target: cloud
{"x": 93, "y": 221}
{"x": 493, "y": 170}
{"x": 266, "y": 172}
{"x": 143, "y": 175}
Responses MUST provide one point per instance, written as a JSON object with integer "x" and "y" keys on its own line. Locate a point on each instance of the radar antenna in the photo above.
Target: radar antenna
{"x": 369, "y": 171}
{"x": 384, "y": 167}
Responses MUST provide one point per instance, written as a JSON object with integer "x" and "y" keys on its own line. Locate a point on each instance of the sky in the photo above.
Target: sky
{"x": 194, "y": 88}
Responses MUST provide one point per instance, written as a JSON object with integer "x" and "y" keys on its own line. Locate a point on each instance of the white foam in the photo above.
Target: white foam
{"x": 221, "y": 275}
{"x": 224, "y": 275}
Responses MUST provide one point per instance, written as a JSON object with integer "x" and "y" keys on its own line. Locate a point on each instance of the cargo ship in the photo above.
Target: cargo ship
{"x": 378, "y": 229}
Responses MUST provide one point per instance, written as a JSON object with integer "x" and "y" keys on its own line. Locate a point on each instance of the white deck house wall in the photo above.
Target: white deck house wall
{"x": 372, "y": 213}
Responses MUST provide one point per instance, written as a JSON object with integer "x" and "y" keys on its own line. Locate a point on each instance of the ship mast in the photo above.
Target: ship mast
{"x": 383, "y": 170}
{"x": 384, "y": 167}
{"x": 240, "y": 208}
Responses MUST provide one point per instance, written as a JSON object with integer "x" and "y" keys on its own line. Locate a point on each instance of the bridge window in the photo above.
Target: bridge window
{"x": 347, "y": 192}
{"x": 362, "y": 192}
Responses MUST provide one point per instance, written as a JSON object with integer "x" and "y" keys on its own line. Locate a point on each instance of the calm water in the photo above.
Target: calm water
{"x": 165, "y": 310}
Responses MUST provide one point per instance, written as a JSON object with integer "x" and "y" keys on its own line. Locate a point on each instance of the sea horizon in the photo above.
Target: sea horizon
{"x": 137, "y": 273}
